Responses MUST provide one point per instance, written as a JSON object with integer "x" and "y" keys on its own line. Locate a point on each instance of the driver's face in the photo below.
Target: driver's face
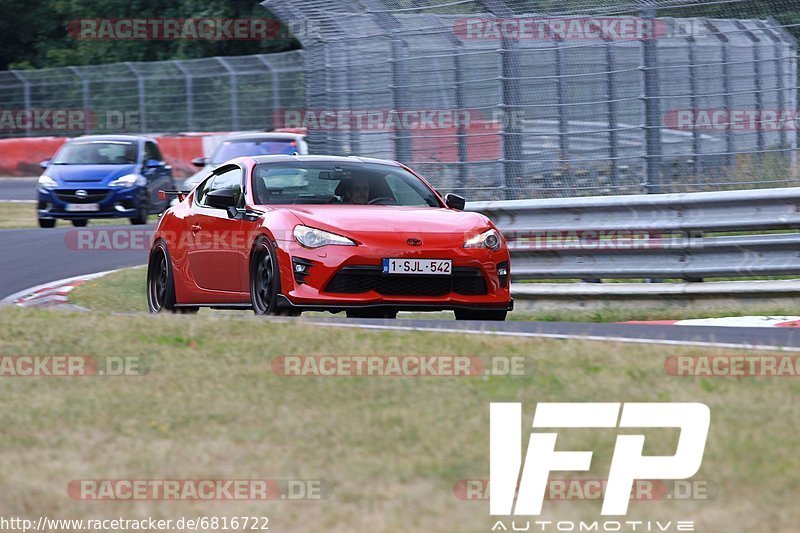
{"x": 358, "y": 191}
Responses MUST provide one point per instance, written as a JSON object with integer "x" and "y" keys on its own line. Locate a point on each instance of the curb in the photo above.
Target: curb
{"x": 51, "y": 294}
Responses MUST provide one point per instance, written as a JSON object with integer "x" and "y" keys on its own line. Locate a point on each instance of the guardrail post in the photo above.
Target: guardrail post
{"x": 652, "y": 107}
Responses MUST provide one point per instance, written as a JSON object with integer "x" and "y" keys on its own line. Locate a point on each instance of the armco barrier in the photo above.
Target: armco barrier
{"x": 21, "y": 157}
{"x": 679, "y": 236}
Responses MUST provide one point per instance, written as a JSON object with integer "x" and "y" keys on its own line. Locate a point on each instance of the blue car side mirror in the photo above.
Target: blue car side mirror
{"x": 45, "y": 163}
{"x": 152, "y": 163}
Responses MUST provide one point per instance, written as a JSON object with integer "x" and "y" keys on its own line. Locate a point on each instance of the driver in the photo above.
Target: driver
{"x": 356, "y": 191}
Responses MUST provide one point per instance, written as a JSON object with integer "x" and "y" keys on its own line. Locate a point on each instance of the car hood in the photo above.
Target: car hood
{"x": 100, "y": 174}
{"x": 366, "y": 219}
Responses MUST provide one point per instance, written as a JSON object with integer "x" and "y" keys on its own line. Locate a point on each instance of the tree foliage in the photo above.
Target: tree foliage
{"x": 33, "y": 34}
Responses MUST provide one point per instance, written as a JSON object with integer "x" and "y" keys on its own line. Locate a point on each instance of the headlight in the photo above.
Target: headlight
{"x": 488, "y": 239}
{"x": 314, "y": 238}
{"x": 46, "y": 182}
{"x": 129, "y": 180}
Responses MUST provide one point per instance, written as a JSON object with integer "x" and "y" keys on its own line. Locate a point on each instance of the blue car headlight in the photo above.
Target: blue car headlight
{"x": 46, "y": 182}
{"x": 129, "y": 180}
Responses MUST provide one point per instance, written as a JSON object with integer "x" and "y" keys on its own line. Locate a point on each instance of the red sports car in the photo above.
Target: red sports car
{"x": 287, "y": 234}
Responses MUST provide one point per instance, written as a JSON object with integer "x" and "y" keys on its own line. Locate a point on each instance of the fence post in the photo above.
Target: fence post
{"x": 85, "y": 96}
{"x": 691, "y": 44}
{"x": 276, "y": 95}
{"x": 189, "y": 81}
{"x": 611, "y": 96}
{"x": 142, "y": 108}
{"x": 563, "y": 123}
{"x": 26, "y": 97}
{"x": 402, "y": 140}
{"x": 730, "y": 143}
{"x": 652, "y": 106}
{"x": 234, "y": 84}
{"x": 758, "y": 85}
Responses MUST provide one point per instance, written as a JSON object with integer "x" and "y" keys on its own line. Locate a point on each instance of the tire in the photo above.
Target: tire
{"x": 265, "y": 281}
{"x": 160, "y": 281}
{"x": 469, "y": 314}
{"x": 141, "y": 213}
{"x": 80, "y": 222}
{"x": 47, "y": 223}
{"x": 371, "y": 313}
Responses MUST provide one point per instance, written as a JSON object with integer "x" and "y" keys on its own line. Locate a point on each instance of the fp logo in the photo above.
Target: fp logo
{"x": 627, "y": 463}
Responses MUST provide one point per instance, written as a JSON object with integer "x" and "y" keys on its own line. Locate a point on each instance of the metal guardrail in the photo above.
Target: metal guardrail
{"x": 679, "y": 236}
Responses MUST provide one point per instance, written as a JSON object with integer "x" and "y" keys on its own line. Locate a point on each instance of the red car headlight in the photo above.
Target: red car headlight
{"x": 314, "y": 238}
{"x": 488, "y": 239}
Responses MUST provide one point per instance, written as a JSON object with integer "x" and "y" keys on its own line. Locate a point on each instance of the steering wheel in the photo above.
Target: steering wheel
{"x": 379, "y": 199}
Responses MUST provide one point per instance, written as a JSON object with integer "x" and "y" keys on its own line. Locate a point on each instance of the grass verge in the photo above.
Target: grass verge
{"x": 210, "y": 407}
{"x": 124, "y": 291}
{"x": 23, "y": 215}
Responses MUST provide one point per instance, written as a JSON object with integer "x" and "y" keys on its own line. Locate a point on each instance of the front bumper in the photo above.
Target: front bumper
{"x": 318, "y": 285}
{"x": 111, "y": 202}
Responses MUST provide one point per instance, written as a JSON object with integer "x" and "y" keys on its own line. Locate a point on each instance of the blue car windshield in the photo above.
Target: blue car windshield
{"x": 232, "y": 149}
{"x": 97, "y": 153}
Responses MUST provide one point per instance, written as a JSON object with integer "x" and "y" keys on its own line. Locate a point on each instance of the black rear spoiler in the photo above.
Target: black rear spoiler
{"x": 162, "y": 195}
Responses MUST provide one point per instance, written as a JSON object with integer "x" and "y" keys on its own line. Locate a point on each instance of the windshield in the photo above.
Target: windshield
{"x": 97, "y": 153}
{"x": 232, "y": 149}
{"x": 299, "y": 182}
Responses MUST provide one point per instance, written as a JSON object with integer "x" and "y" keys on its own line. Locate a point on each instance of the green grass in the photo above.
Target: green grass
{"x": 391, "y": 448}
{"x": 23, "y": 215}
{"x": 124, "y": 291}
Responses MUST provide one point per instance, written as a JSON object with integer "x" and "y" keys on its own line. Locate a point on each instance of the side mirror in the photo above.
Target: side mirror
{"x": 153, "y": 163}
{"x": 221, "y": 199}
{"x": 199, "y": 162}
{"x": 455, "y": 201}
{"x": 45, "y": 163}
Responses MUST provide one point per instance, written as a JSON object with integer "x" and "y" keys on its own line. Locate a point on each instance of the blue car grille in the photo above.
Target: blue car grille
{"x": 93, "y": 196}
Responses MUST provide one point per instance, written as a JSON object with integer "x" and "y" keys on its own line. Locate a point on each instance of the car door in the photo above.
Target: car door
{"x": 158, "y": 174}
{"x": 215, "y": 249}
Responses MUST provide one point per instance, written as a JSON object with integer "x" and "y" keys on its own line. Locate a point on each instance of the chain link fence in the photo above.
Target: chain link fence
{"x": 556, "y": 98}
{"x": 492, "y": 99}
{"x": 212, "y": 94}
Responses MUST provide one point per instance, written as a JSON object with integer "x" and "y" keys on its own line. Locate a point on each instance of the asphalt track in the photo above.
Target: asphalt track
{"x": 33, "y": 257}
{"x": 17, "y": 189}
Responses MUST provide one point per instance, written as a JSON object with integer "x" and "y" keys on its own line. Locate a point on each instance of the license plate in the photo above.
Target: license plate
{"x": 83, "y": 207}
{"x": 418, "y": 266}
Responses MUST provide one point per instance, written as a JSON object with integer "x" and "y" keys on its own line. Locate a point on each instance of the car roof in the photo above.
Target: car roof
{"x": 112, "y": 138}
{"x": 263, "y": 136}
{"x": 320, "y": 159}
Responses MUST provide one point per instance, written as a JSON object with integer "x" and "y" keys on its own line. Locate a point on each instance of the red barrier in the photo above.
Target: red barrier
{"x": 21, "y": 156}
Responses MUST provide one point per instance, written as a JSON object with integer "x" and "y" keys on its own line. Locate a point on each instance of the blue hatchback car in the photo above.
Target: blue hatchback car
{"x": 103, "y": 176}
